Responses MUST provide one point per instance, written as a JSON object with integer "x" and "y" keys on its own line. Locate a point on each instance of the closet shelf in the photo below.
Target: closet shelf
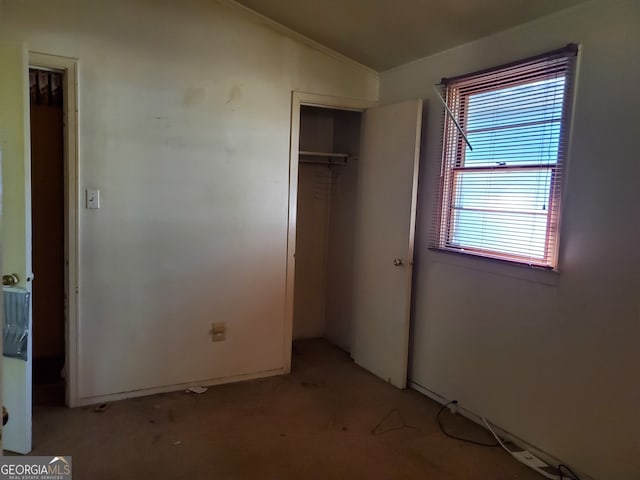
{"x": 304, "y": 153}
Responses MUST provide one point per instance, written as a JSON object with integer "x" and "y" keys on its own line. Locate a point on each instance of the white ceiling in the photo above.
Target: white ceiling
{"x": 385, "y": 33}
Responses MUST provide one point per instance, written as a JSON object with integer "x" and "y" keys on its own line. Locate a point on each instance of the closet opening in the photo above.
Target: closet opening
{"x": 353, "y": 178}
{"x": 328, "y": 163}
{"x": 48, "y": 234}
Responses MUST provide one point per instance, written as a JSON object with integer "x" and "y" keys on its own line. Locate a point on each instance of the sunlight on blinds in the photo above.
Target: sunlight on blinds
{"x": 502, "y": 199}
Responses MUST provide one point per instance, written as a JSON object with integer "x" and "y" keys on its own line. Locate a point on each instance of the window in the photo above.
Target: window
{"x": 504, "y": 150}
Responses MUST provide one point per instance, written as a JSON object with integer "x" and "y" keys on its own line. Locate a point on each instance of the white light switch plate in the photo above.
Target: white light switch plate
{"x": 93, "y": 198}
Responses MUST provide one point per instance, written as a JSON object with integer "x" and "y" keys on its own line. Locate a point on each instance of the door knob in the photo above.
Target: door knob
{"x": 397, "y": 262}
{"x": 10, "y": 280}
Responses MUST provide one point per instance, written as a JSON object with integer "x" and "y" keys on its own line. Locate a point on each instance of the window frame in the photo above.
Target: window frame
{"x": 454, "y": 155}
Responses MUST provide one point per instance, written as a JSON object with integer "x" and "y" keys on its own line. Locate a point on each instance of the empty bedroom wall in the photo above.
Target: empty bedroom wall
{"x": 184, "y": 125}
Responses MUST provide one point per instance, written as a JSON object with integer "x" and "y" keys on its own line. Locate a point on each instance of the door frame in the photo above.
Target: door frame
{"x": 71, "y": 201}
{"x": 298, "y": 99}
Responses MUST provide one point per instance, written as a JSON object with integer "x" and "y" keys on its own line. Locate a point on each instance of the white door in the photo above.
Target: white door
{"x": 1, "y": 304}
{"x": 383, "y": 260}
{"x": 16, "y": 235}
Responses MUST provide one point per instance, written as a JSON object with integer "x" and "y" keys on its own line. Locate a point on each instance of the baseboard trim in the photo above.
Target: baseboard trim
{"x": 474, "y": 417}
{"x": 113, "y": 397}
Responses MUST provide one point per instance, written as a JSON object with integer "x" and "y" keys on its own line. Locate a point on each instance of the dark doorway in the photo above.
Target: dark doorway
{"x": 47, "y": 209}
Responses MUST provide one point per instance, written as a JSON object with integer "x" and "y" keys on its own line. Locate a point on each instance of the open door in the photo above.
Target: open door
{"x": 16, "y": 245}
{"x": 1, "y": 302}
{"x": 383, "y": 259}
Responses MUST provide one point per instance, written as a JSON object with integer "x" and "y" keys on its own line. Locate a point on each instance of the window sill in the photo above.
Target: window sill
{"x": 495, "y": 266}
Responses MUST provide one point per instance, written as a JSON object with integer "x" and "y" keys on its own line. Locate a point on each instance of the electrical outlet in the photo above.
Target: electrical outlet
{"x": 529, "y": 459}
{"x": 218, "y": 331}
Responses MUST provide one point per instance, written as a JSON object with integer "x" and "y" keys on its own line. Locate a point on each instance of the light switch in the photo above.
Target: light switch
{"x": 93, "y": 198}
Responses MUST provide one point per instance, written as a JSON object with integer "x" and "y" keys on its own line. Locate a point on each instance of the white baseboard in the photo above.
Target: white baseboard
{"x": 113, "y": 397}
{"x": 474, "y": 417}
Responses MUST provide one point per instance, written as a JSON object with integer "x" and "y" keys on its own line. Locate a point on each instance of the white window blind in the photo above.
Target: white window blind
{"x": 501, "y": 197}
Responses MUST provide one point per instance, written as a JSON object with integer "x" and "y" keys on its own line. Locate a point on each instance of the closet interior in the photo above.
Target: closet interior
{"x": 325, "y": 224}
{"x": 48, "y": 237}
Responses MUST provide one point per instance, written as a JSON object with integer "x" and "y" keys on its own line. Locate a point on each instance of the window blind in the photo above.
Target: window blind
{"x": 500, "y": 198}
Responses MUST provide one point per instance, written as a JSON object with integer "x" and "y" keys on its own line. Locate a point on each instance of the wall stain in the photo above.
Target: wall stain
{"x": 235, "y": 94}
{"x": 193, "y": 96}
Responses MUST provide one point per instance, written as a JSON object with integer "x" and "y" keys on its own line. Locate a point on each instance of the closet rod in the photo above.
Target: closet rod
{"x": 304, "y": 153}
{"x": 328, "y": 164}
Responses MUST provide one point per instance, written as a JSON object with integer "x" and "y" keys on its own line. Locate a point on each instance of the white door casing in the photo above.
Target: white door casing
{"x": 297, "y": 100}
{"x": 71, "y": 217}
{"x": 387, "y": 197}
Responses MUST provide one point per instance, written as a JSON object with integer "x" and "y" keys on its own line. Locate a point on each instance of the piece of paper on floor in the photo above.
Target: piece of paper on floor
{"x": 197, "y": 389}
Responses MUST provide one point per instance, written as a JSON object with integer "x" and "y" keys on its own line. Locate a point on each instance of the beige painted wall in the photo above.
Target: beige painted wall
{"x": 184, "y": 126}
{"x": 551, "y": 358}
